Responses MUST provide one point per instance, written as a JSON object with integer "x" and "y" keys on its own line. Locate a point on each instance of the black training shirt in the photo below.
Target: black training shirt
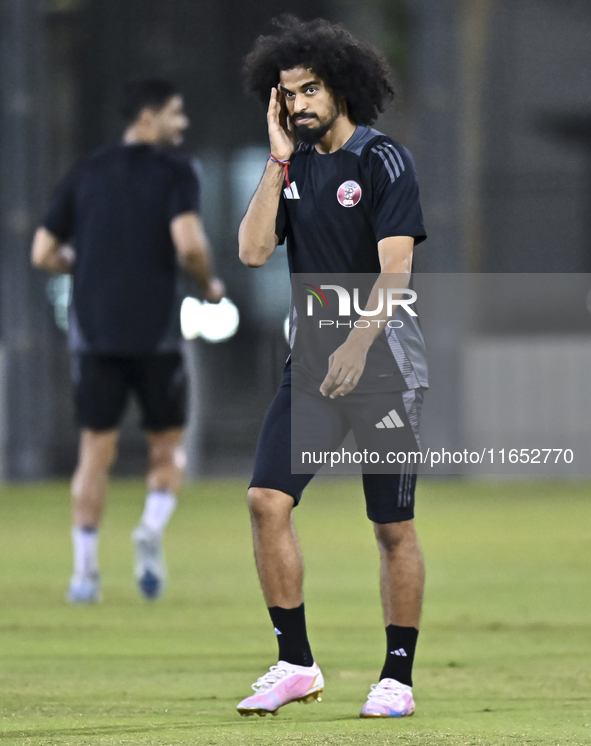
{"x": 116, "y": 206}
{"x": 338, "y": 207}
{"x": 326, "y": 231}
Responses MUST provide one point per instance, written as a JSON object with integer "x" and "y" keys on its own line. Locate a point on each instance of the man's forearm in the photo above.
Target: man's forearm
{"x": 256, "y": 236}
{"x": 197, "y": 264}
{"x": 347, "y": 362}
{"x": 362, "y": 338}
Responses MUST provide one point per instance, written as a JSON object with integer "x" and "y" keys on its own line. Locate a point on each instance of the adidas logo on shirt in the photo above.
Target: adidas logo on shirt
{"x": 291, "y": 193}
{"x": 399, "y": 652}
{"x": 392, "y": 419}
{"x": 277, "y": 631}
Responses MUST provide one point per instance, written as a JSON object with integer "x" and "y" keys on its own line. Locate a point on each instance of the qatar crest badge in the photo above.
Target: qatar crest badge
{"x": 349, "y": 193}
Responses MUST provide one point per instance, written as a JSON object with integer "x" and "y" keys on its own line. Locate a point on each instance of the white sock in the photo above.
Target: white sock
{"x": 85, "y": 544}
{"x": 157, "y": 510}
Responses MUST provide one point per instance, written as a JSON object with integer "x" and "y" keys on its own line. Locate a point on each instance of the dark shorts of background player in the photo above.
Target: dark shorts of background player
{"x": 103, "y": 383}
{"x": 390, "y": 498}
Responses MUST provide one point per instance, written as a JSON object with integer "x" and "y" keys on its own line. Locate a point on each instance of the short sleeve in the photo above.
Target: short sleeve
{"x": 185, "y": 192}
{"x": 281, "y": 222}
{"x": 396, "y": 209}
{"x": 60, "y": 218}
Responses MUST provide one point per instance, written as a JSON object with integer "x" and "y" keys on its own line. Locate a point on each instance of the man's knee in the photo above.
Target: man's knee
{"x": 391, "y": 536}
{"x": 165, "y": 449}
{"x": 265, "y": 503}
{"x": 98, "y": 449}
{"x": 161, "y": 454}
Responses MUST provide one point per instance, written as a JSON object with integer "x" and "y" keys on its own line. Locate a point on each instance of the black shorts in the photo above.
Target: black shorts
{"x": 389, "y": 497}
{"x": 102, "y": 384}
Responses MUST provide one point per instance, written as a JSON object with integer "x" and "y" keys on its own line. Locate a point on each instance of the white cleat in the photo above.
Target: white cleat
{"x": 388, "y": 699}
{"x": 282, "y": 684}
{"x": 84, "y": 589}
{"x": 150, "y": 569}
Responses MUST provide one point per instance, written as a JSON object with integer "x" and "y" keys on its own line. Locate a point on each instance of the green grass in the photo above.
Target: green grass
{"x": 504, "y": 654}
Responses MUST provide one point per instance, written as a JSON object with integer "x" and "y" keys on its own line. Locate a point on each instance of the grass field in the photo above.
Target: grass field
{"x": 504, "y": 655}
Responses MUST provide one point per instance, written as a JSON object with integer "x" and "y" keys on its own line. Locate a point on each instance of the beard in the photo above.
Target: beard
{"x": 313, "y": 135}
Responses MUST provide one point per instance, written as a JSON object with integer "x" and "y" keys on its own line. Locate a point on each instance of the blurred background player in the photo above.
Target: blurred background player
{"x": 325, "y": 90}
{"x": 132, "y": 211}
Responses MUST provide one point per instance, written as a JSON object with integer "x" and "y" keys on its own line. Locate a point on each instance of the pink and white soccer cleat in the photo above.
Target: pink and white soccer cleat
{"x": 284, "y": 683}
{"x": 388, "y": 699}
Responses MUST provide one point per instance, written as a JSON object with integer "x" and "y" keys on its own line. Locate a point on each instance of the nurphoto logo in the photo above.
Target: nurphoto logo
{"x": 393, "y": 299}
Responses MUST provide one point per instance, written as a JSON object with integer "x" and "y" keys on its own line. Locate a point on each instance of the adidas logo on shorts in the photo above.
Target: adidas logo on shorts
{"x": 392, "y": 419}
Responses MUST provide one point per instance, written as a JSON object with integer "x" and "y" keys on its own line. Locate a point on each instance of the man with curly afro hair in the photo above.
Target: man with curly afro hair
{"x": 345, "y": 197}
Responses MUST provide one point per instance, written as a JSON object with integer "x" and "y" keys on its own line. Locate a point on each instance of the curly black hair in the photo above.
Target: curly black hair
{"x": 354, "y": 72}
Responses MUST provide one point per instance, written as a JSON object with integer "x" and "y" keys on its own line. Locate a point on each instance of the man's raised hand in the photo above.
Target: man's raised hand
{"x": 281, "y": 140}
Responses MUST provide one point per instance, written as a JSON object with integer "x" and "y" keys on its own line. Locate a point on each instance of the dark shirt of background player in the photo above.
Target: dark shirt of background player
{"x": 118, "y": 205}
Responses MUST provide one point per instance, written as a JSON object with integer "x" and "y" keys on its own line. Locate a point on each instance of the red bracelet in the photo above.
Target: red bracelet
{"x": 285, "y": 165}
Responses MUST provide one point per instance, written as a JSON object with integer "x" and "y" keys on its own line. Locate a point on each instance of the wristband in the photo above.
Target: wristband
{"x": 285, "y": 165}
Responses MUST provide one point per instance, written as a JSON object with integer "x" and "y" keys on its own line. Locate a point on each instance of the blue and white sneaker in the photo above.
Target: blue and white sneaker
{"x": 84, "y": 589}
{"x": 150, "y": 568}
